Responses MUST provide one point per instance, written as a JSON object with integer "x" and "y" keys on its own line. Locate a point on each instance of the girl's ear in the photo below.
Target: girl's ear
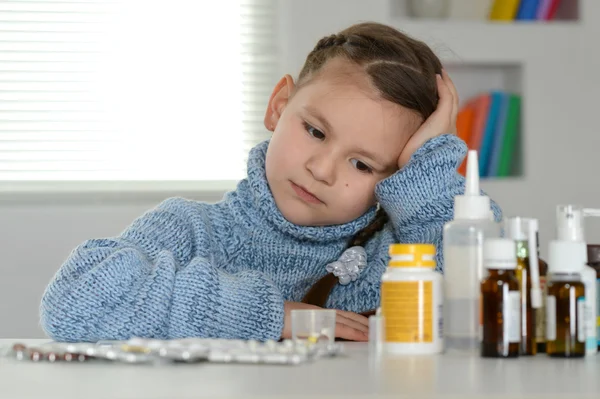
{"x": 279, "y": 99}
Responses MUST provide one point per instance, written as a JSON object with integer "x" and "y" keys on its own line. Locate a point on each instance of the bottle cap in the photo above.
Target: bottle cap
{"x": 412, "y": 255}
{"x": 566, "y": 256}
{"x": 516, "y": 228}
{"x": 472, "y": 205}
{"x": 500, "y": 253}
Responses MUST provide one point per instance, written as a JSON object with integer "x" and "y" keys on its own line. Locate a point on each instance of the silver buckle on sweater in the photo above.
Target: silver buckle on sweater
{"x": 349, "y": 266}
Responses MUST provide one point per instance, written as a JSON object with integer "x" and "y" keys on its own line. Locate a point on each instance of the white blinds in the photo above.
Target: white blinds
{"x": 133, "y": 89}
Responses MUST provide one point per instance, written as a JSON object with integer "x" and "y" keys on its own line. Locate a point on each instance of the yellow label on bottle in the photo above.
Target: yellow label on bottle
{"x": 407, "y": 308}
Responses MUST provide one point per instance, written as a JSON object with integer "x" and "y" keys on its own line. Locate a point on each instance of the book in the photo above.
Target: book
{"x": 504, "y": 10}
{"x": 547, "y": 9}
{"x": 528, "y": 10}
{"x": 464, "y": 129}
{"x": 511, "y": 136}
{"x": 487, "y": 141}
{"x": 481, "y": 106}
{"x": 499, "y": 133}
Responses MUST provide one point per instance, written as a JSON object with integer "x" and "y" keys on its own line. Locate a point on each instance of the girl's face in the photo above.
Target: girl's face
{"x": 333, "y": 140}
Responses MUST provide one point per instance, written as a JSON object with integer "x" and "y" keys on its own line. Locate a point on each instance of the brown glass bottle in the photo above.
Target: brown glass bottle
{"x": 593, "y": 251}
{"x": 565, "y": 335}
{"x": 501, "y": 307}
{"x": 540, "y": 314}
{"x": 528, "y": 327}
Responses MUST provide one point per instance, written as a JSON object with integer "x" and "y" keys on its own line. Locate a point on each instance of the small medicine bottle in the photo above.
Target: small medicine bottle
{"x": 411, "y": 301}
{"x": 540, "y": 313}
{"x": 517, "y": 228}
{"x": 501, "y": 300}
{"x": 565, "y": 302}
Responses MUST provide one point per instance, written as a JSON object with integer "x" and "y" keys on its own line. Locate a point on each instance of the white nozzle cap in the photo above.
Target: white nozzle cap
{"x": 500, "y": 253}
{"x": 569, "y": 223}
{"x": 472, "y": 205}
{"x": 534, "y": 263}
{"x": 591, "y": 212}
{"x": 566, "y": 256}
{"x": 516, "y": 228}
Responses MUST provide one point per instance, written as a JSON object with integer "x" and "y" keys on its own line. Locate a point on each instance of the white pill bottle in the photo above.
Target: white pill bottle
{"x": 412, "y": 301}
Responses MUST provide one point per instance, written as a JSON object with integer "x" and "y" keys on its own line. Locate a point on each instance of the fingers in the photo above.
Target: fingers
{"x": 450, "y": 84}
{"x": 455, "y": 100}
{"x": 351, "y": 326}
{"x": 446, "y": 103}
{"x": 357, "y": 325}
{"x": 354, "y": 317}
{"x": 346, "y": 332}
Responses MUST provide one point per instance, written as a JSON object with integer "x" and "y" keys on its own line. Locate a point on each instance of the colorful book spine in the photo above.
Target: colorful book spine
{"x": 499, "y": 134}
{"x": 504, "y": 10}
{"x": 464, "y": 129}
{"x": 547, "y": 9}
{"x": 490, "y": 124}
{"x": 528, "y": 10}
{"x": 487, "y": 142}
{"x": 511, "y": 137}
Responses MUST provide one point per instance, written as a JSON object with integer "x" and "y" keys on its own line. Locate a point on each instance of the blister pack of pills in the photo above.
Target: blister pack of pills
{"x": 189, "y": 350}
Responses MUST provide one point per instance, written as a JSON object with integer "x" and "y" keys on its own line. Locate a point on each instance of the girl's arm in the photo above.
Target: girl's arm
{"x": 419, "y": 198}
{"x": 158, "y": 280}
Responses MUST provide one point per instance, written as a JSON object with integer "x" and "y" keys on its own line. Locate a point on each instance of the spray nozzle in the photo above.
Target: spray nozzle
{"x": 569, "y": 221}
{"x": 472, "y": 205}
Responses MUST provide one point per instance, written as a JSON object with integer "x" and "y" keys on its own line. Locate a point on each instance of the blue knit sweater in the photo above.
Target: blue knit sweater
{"x": 192, "y": 269}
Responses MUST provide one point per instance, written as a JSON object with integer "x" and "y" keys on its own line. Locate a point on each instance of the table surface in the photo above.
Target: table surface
{"x": 355, "y": 374}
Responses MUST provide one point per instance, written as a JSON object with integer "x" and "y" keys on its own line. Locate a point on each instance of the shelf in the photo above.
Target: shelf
{"x": 469, "y": 10}
{"x": 492, "y": 42}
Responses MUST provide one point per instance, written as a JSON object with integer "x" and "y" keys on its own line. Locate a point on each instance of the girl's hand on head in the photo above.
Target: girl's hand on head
{"x": 442, "y": 121}
{"x": 348, "y": 325}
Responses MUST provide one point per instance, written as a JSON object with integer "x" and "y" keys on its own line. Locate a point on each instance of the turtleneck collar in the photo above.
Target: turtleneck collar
{"x": 254, "y": 196}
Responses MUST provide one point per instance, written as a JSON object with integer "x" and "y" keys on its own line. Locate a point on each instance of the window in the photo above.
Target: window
{"x": 133, "y": 90}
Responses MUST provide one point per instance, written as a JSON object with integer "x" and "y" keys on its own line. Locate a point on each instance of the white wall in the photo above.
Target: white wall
{"x": 560, "y": 86}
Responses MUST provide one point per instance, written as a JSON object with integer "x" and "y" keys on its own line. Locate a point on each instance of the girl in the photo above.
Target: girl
{"x": 361, "y": 157}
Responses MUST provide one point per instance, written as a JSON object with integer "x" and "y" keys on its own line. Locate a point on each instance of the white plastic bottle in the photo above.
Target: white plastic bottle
{"x": 412, "y": 301}
{"x": 463, "y": 262}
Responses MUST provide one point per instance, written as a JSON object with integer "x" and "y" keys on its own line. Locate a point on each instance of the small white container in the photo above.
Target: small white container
{"x": 411, "y": 301}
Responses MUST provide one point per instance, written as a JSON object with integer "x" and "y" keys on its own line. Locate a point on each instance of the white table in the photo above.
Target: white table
{"x": 356, "y": 374}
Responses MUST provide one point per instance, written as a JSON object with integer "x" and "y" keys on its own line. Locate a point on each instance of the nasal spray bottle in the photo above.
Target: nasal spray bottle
{"x": 463, "y": 262}
{"x": 569, "y": 223}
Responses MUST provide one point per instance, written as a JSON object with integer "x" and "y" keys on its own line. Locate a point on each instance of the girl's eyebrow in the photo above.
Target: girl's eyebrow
{"x": 317, "y": 115}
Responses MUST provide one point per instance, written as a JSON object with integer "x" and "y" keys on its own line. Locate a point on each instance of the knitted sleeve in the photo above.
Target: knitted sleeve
{"x": 419, "y": 198}
{"x": 158, "y": 280}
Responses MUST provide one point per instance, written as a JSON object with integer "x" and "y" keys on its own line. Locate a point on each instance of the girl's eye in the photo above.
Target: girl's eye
{"x": 361, "y": 166}
{"x": 314, "y": 132}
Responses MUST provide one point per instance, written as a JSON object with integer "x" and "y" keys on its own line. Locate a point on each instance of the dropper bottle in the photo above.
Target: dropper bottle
{"x": 463, "y": 262}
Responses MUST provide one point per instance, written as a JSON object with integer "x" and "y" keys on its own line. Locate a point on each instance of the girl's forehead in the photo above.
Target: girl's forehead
{"x": 359, "y": 118}
{"x": 355, "y": 102}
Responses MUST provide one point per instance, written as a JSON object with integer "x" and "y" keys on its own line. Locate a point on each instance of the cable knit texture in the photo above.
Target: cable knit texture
{"x": 192, "y": 269}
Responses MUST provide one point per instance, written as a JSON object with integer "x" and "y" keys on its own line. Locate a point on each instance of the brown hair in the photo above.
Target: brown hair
{"x": 400, "y": 68}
